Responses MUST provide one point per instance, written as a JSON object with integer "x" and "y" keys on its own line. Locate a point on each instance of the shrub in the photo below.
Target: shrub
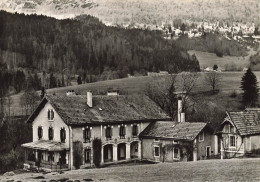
{"x": 97, "y": 145}
{"x": 77, "y": 154}
{"x": 233, "y": 94}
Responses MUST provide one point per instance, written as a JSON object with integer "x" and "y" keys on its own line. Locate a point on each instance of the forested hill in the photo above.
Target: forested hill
{"x": 85, "y": 46}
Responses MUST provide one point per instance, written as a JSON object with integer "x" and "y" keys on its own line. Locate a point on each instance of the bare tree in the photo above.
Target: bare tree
{"x": 165, "y": 92}
{"x": 212, "y": 79}
{"x": 186, "y": 83}
{"x": 29, "y": 101}
{"x": 162, "y": 93}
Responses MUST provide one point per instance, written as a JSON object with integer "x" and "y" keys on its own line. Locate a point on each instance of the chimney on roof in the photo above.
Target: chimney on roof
{"x": 182, "y": 117}
{"x": 179, "y": 108}
{"x": 89, "y": 99}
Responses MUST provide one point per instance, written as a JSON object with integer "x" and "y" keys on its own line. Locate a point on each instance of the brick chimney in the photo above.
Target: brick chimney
{"x": 89, "y": 99}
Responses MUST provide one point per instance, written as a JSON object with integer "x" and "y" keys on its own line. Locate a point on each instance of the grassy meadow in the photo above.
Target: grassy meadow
{"x": 230, "y": 62}
{"x": 204, "y": 170}
{"x": 230, "y": 82}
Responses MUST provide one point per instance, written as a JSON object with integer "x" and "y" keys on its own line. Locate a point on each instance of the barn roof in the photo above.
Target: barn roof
{"x": 106, "y": 109}
{"x": 245, "y": 122}
{"x": 173, "y": 130}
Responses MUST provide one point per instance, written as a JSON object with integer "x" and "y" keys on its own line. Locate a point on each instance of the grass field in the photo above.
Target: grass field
{"x": 230, "y": 81}
{"x": 209, "y": 59}
{"x": 208, "y": 170}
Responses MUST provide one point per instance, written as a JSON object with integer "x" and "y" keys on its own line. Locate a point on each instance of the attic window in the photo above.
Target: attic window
{"x": 50, "y": 115}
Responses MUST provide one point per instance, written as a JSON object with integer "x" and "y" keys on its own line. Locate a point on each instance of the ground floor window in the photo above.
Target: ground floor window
{"x": 175, "y": 153}
{"x": 232, "y": 141}
{"x": 156, "y": 151}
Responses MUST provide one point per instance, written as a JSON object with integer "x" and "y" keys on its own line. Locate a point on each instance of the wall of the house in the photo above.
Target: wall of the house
{"x": 209, "y": 141}
{"x": 241, "y": 143}
{"x": 252, "y": 143}
{"x": 148, "y": 152}
{"x": 99, "y": 131}
{"x": 57, "y": 124}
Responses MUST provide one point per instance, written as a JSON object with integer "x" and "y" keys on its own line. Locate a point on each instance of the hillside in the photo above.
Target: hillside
{"x": 230, "y": 82}
{"x": 86, "y": 47}
{"x": 144, "y": 11}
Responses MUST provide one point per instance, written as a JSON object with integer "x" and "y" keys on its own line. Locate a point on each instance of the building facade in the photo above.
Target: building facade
{"x": 240, "y": 133}
{"x": 61, "y": 121}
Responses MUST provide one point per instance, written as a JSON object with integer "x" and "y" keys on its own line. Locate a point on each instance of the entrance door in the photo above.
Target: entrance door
{"x": 63, "y": 157}
{"x": 208, "y": 151}
{"x": 87, "y": 156}
{"x": 121, "y": 151}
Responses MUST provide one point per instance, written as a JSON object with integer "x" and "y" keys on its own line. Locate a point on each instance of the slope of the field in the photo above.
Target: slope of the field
{"x": 230, "y": 82}
{"x": 207, "y": 170}
{"x": 227, "y": 63}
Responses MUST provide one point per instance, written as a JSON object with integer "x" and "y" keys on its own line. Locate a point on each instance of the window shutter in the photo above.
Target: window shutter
{"x": 84, "y": 134}
{"x": 52, "y": 114}
{"x": 123, "y": 130}
{"x": 49, "y": 115}
{"x": 61, "y": 135}
{"x": 89, "y": 133}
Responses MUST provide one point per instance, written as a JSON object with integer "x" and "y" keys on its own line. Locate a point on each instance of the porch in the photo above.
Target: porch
{"x": 46, "y": 155}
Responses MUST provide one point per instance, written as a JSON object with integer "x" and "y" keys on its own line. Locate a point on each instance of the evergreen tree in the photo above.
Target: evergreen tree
{"x": 79, "y": 80}
{"x": 53, "y": 82}
{"x": 250, "y": 88}
{"x": 43, "y": 92}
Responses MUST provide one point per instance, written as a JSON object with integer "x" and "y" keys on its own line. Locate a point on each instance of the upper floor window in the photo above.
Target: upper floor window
{"x": 231, "y": 129}
{"x": 40, "y": 132}
{"x": 122, "y": 131}
{"x": 51, "y": 133}
{"x": 87, "y": 134}
{"x": 201, "y": 136}
{"x": 232, "y": 141}
{"x": 135, "y": 130}
{"x": 108, "y": 132}
{"x": 50, "y": 114}
{"x": 63, "y": 135}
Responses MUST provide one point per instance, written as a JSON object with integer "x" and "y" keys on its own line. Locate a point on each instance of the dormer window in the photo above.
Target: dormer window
{"x": 108, "y": 132}
{"x": 50, "y": 133}
{"x": 62, "y": 135}
{"x": 122, "y": 131}
{"x": 87, "y": 134}
{"x": 50, "y": 115}
{"x": 39, "y": 132}
{"x": 135, "y": 130}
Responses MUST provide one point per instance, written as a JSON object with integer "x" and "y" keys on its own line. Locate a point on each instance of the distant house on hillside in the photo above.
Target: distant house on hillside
{"x": 61, "y": 122}
{"x": 240, "y": 133}
{"x": 178, "y": 141}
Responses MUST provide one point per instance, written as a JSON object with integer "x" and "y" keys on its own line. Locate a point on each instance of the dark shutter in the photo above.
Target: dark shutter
{"x": 123, "y": 130}
{"x": 49, "y": 115}
{"x": 111, "y": 132}
{"x": 84, "y": 134}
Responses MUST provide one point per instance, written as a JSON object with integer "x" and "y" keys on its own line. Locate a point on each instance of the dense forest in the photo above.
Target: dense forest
{"x": 85, "y": 45}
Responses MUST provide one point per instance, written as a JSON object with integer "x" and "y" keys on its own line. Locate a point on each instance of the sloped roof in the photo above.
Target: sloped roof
{"x": 106, "y": 109}
{"x": 46, "y": 145}
{"x": 245, "y": 122}
{"x": 173, "y": 130}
